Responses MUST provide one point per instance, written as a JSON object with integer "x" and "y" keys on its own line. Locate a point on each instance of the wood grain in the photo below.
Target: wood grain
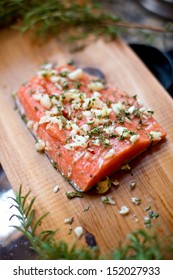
{"x": 20, "y": 58}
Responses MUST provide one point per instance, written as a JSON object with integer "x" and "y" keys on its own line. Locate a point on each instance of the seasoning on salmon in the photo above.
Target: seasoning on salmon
{"x": 89, "y": 130}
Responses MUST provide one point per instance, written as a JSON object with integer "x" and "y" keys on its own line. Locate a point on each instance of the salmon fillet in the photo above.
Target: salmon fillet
{"x": 88, "y": 130}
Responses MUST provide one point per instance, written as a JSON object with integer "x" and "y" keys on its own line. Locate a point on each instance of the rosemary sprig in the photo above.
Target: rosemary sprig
{"x": 44, "y": 243}
{"x": 76, "y": 19}
{"x": 140, "y": 245}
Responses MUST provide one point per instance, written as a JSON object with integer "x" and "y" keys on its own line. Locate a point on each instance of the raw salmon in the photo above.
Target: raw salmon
{"x": 88, "y": 130}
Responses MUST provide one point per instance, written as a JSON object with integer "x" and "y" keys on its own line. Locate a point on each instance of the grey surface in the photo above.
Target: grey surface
{"x": 134, "y": 11}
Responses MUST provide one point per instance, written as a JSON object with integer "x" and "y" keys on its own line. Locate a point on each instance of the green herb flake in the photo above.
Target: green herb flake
{"x": 147, "y": 222}
{"x": 147, "y": 208}
{"x": 54, "y": 164}
{"x": 64, "y": 74}
{"x": 24, "y": 118}
{"x": 73, "y": 194}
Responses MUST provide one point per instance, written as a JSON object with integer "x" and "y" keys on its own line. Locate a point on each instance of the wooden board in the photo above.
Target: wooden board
{"x": 20, "y": 58}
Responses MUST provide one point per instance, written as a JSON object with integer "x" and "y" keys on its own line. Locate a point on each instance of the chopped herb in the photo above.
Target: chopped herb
{"x": 147, "y": 222}
{"x": 24, "y": 118}
{"x": 153, "y": 214}
{"x": 54, "y": 164}
{"x": 147, "y": 208}
{"x": 64, "y": 74}
{"x": 65, "y": 85}
{"x": 71, "y": 195}
{"x": 69, "y": 230}
{"x": 77, "y": 85}
{"x": 108, "y": 102}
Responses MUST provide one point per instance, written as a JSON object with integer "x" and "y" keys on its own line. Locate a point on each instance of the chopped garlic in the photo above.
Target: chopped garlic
{"x": 100, "y": 162}
{"x": 47, "y": 146}
{"x": 110, "y": 153}
{"x": 30, "y": 124}
{"x": 78, "y": 155}
{"x": 124, "y": 210}
{"x": 96, "y": 94}
{"x": 45, "y": 101}
{"x": 76, "y": 74}
{"x": 40, "y": 146}
{"x": 155, "y": 135}
{"x": 69, "y": 171}
{"x": 118, "y": 107}
{"x": 47, "y": 66}
{"x": 44, "y": 119}
{"x": 54, "y": 110}
{"x": 78, "y": 231}
{"x": 56, "y": 189}
{"x": 115, "y": 182}
{"x": 87, "y": 155}
{"x": 35, "y": 126}
{"x": 54, "y": 79}
{"x": 120, "y": 130}
{"x": 108, "y": 200}
{"x": 109, "y": 129}
{"x": 68, "y": 220}
{"x": 37, "y": 96}
{"x": 131, "y": 109}
{"x": 95, "y": 86}
{"x": 85, "y": 127}
{"x": 134, "y": 138}
{"x": 80, "y": 141}
{"x": 14, "y": 93}
{"x": 136, "y": 200}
